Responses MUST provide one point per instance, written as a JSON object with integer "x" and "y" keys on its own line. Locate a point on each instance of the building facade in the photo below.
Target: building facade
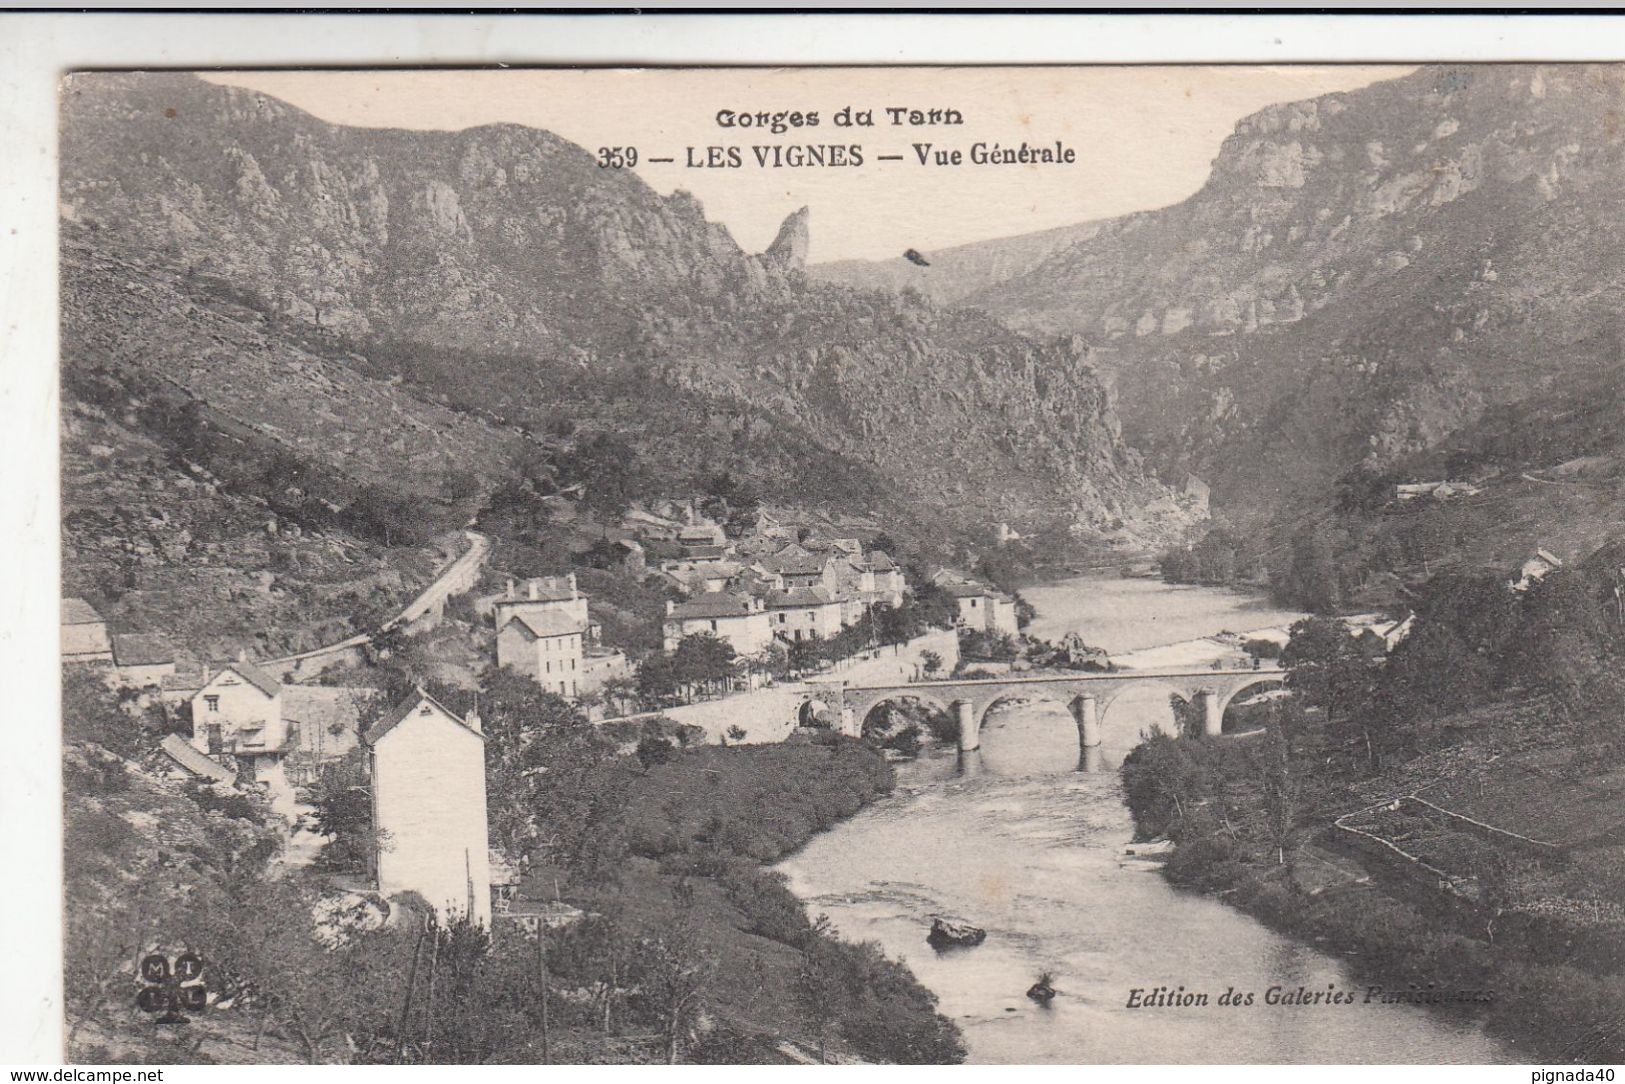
{"x": 84, "y": 633}
{"x": 238, "y": 712}
{"x": 738, "y": 619}
{"x": 984, "y": 609}
{"x": 804, "y": 613}
{"x": 547, "y": 646}
{"x": 428, "y": 803}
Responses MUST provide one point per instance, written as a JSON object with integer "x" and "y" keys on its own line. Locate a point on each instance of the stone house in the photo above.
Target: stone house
{"x": 427, "y": 769}
{"x": 804, "y": 613}
{"x": 545, "y": 645}
{"x": 984, "y": 609}
{"x": 888, "y": 578}
{"x": 541, "y": 594}
{"x": 142, "y": 659}
{"x": 738, "y": 619}
{"x": 84, "y": 633}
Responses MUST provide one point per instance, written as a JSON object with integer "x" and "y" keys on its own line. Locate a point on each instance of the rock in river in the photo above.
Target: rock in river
{"x": 948, "y": 933}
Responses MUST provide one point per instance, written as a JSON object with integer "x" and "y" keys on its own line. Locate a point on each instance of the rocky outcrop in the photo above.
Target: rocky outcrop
{"x": 1361, "y": 274}
{"x": 501, "y": 269}
{"x": 788, "y": 252}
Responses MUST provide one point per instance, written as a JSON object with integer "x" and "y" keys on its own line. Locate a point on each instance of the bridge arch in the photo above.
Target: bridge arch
{"x": 1142, "y": 689}
{"x": 860, "y": 722}
{"x": 1229, "y": 695}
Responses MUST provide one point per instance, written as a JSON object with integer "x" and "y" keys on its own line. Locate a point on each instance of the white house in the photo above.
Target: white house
{"x": 84, "y": 633}
{"x": 804, "y": 613}
{"x": 428, "y": 807}
{"x": 541, "y": 594}
{"x": 545, "y": 645}
{"x": 984, "y": 609}
{"x": 738, "y": 619}
{"x": 238, "y": 711}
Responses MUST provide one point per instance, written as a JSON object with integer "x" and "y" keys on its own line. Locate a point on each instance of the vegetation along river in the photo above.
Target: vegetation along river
{"x": 1028, "y": 846}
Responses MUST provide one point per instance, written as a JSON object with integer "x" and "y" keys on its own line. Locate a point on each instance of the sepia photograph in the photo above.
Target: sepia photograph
{"x": 1078, "y": 565}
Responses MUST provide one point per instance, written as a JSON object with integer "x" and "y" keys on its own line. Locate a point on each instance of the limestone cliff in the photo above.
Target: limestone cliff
{"x": 500, "y": 271}
{"x": 1362, "y": 274}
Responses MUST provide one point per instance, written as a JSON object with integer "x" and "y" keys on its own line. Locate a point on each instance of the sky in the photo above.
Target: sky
{"x": 1142, "y": 137}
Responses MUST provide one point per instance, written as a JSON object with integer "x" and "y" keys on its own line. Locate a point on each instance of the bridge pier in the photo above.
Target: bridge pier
{"x": 970, "y": 736}
{"x": 1212, "y": 716}
{"x": 1086, "y": 713}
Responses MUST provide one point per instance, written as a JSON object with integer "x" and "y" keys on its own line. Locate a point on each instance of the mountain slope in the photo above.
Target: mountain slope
{"x": 955, "y": 273}
{"x": 1362, "y": 275}
{"x": 498, "y": 270}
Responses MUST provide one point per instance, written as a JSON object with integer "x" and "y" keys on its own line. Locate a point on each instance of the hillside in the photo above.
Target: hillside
{"x": 1362, "y": 275}
{"x": 955, "y": 273}
{"x": 499, "y": 273}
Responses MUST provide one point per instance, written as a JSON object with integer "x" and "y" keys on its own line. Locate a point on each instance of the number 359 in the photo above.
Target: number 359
{"x": 617, "y": 157}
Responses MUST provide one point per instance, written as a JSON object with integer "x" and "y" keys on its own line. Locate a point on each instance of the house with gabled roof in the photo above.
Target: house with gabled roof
{"x": 739, "y": 619}
{"x": 804, "y": 613}
{"x": 547, "y": 646}
{"x": 427, "y": 768}
{"x": 84, "y": 633}
{"x": 238, "y": 712}
{"x": 983, "y": 608}
{"x": 142, "y": 659}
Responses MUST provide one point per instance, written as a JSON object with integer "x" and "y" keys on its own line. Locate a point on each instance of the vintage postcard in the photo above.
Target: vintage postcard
{"x": 1081, "y": 565}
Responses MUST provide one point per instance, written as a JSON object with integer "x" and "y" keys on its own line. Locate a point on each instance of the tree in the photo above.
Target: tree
{"x": 821, "y": 990}
{"x": 930, "y": 663}
{"x": 1327, "y": 668}
{"x": 608, "y": 469}
{"x": 657, "y": 680}
{"x": 541, "y": 756}
{"x": 1280, "y": 781}
{"x": 342, "y": 799}
{"x": 673, "y": 970}
{"x": 703, "y": 659}
{"x": 654, "y": 750}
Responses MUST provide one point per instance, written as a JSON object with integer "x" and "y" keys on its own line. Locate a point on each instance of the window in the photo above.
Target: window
{"x": 572, "y": 664}
{"x": 549, "y": 665}
{"x": 213, "y": 702}
{"x": 713, "y": 626}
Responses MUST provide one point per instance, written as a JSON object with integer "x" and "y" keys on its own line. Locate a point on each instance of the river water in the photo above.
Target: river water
{"x": 1027, "y": 843}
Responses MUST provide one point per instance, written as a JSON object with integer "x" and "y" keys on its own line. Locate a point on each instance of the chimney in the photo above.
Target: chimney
{"x": 533, "y": 592}
{"x": 671, "y": 607}
{"x": 572, "y": 587}
{"x": 473, "y": 721}
{"x": 242, "y": 654}
{"x": 510, "y": 587}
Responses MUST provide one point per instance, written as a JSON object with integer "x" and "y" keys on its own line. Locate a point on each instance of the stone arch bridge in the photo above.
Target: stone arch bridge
{"x": 1088, "y": 695}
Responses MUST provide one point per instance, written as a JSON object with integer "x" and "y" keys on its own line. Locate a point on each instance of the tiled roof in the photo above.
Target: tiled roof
{"x": 714, "y": 604}
{"x": 976, "y": 590}
{"x": 548, "y": 589}
{"x": 252, "y": 674}
{"x": 797, "y": 566}
{"x": 547, "y": 623}
{"x": 706, "y": 550}
{"x": 181, "y": 752}
{"x": 76, "y": 611}
{"x": 799, "y": 596}
{"x": 392, "y": 718}
{"x": 880, "y": 561}
{"x": 141, "y": 649}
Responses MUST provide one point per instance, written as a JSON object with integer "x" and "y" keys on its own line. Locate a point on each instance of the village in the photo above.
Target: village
{"x": 763, "y": 611}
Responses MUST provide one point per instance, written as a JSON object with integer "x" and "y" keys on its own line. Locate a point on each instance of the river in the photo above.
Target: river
{"x": 1029, "y": 847}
